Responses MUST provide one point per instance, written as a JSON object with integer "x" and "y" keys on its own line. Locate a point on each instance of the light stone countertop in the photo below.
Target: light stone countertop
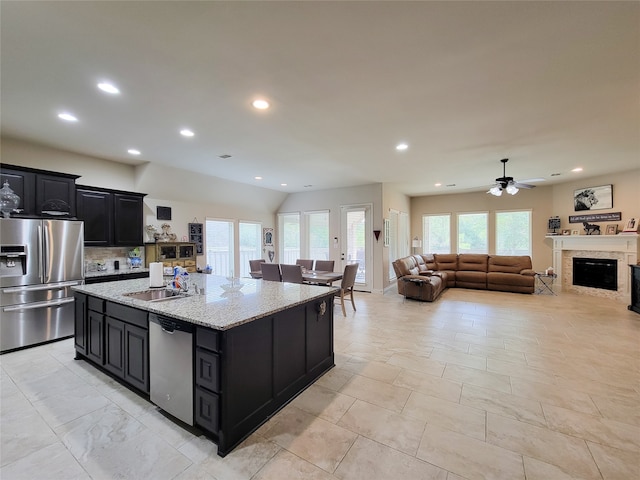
{"x": 214, "y": 308}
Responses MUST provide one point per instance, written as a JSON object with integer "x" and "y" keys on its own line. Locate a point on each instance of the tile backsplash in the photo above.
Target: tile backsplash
{"x": 108, "y": 255}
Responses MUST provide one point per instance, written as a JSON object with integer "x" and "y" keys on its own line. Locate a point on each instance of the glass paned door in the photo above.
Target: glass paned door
{"x": 249, "y": 234}
{"x": 356, "y": 243}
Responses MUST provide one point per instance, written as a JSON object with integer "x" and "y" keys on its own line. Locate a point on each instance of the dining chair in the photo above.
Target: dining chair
{"x": 271, "y": 272}
{"x": 308, "y": 264}
{"x": 325, "y": 265}
{"x": 346, "y": 287}
{"x": 254, "y": 268}
{"x": 291, "y": 273}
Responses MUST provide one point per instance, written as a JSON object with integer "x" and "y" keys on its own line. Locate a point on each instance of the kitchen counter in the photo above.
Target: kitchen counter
{"x": 215, "y": 308}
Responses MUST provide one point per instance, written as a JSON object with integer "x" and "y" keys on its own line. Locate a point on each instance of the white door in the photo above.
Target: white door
{"x": 356, "y": 243}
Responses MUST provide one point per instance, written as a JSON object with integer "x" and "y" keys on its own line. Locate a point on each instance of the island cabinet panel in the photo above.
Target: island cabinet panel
{"x": 289, "y": 350}
{"x": 116, "y": 338}
{"x": 207, "y": 370}
{"x": 319, "y": 334}
{"x": 267, "y": 362}
{"x": 94, "y": 330}
{"x": 207, "y": 412}
{"x": 80, "y": 319}
{"x": 114, "y": 353}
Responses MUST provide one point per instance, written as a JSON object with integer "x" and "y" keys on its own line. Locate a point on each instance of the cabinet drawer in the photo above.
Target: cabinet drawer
{"x": 207, "y": 370}
{"x": 128, "y": 314}
{"x": 207, "y": 410}
{"x": 207, "y": 338}
{"x": 178, "y": 263}
{"x": 167, "y": 264}
{"x": 191, "y": 269}
{"x": 189, "y": 263}
{"x": 96, "y": 304}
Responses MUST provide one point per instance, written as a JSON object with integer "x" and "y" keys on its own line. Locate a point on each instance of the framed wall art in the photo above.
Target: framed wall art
{"x": 593, "y": 198}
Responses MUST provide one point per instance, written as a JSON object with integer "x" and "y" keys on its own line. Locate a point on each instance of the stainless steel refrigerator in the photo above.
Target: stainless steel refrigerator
{"x": 40, "y": 260}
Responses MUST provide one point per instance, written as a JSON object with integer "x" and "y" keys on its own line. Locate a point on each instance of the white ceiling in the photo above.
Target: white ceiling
{"x": 550, "y": 85}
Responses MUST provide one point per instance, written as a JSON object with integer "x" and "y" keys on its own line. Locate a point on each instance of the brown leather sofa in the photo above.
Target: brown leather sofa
{"x": 506, "y": 273}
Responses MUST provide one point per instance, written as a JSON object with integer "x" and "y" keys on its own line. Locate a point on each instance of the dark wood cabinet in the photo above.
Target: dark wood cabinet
{"x": 42, "y": 193}
{"x": 94, "y": 208}
{"x": 95, "y": 336}
{"x": 112, "y": 218}
{"x": 23, "y": 184}
{"x": 55, "y": 195}
{"x": 115, "y": 337}
{"x": 127, "y": 219}
{"x": 114, "y": 350}
{"x": 80, "y": 320}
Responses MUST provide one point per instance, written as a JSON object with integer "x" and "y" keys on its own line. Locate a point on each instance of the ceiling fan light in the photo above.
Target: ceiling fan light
{"x": 512, "y": 189}
{"x": 495, "y": 190}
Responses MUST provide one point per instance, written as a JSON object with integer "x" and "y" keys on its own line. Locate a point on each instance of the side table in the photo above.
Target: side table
{"x": 545, "y": 283}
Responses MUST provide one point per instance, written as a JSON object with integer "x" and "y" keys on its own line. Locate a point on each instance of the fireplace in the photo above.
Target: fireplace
{"x": 595, "y": 273}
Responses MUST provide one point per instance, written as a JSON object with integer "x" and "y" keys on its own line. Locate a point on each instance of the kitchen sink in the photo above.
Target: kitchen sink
{"x": 159, "y": 295}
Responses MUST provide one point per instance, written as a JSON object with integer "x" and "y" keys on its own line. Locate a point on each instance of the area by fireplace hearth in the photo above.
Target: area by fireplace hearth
{"x": 595, "y": 273}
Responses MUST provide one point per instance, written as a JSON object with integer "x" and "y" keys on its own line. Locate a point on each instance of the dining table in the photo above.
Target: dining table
{"x": 321, "y": 277}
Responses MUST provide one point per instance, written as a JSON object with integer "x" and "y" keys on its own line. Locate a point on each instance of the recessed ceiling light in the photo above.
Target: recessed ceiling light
{"x": 402, "y": 146}
{"x": 577, "y": 169}
{"x": 283, "y": 184}
{"x": 133, "y": 151}
{"x": 258, "y": 178}
{"x": 108, "y": 88}
{"x": 185, "y": 132}
{"x": 438, "y": 184}
{"x": 67, "y": 117}
{"x": 260, "y": 104}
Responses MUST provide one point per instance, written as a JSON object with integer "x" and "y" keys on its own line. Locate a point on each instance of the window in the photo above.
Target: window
{"x": 436, "y": 233}
{"x": 513, "y": 233}
{"x": 316, "y": 242}
{"x": 249, "y": 238}
{"x": 473, "y": 233}
{"x": 289, "y": 233}
{"x": 220, "y": 254}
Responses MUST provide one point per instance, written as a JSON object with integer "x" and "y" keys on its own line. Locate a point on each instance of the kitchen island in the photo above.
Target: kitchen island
{"x": 249, "y": 352}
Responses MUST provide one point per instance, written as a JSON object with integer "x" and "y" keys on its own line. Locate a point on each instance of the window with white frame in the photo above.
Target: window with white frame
{"x": 289, "y": 235}
{"x": 436, "y": 233}
{"x": 316, "y": 244}
{"x": 249, "y": 239}
{"x": 473, "y": 232}
{"x": 513, "y": 232}
{"x": 220, "y": 240}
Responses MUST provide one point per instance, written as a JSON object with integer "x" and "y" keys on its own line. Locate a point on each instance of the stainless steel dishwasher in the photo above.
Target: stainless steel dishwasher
{"x": 171, "y": 366}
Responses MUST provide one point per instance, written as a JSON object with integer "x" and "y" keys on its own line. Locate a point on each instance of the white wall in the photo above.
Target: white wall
{"x": 544, "y": 201}
{"x": 189, "y": 195}
{"x": 332, "y": 200}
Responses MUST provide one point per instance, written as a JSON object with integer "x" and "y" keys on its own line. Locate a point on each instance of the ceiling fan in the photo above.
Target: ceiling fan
{"x": 507, "y": 183}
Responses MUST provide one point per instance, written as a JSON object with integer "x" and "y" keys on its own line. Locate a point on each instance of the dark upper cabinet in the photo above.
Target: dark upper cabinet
{"x": 55, "y": 195}
{"x": 127, "y": 216}
{"x": 111, "y": 217}
{"x": 95, "y": 209}
{"x": 42, "y": 193}
{"x": 23, "y": 184}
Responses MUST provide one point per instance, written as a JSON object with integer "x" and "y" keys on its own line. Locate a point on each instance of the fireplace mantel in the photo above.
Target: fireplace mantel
{"x": 623, "y": 247}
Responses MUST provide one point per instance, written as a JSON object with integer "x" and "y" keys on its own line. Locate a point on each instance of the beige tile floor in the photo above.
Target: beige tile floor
{"x": 476, "y": 385}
